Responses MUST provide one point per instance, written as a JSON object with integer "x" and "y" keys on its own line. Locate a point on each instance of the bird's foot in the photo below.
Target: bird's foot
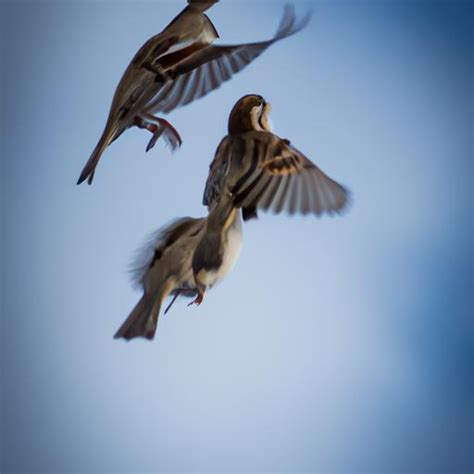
{"x": 171, "y": 135}
{"x": 159, "y": 126}
{"x": 156, "y": 131}
{"x": 198, "y": 300}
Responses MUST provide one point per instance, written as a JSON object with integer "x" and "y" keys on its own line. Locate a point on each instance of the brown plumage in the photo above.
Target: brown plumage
{"x": 173, "y": 68}
{"x": 260, "y": 170}
{"x": 219, "y": 246}
{"x": 163, "y": 268}
{"x": 184, "y": 258}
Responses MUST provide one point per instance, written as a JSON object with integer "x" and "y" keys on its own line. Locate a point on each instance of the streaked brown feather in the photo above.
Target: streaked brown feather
{"x": 266, "y": 172}
{"x": 223, "y": 60}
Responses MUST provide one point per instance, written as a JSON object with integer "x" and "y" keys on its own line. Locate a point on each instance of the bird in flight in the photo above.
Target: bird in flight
{"x": 173, "y": 68}
{"x": 252, "y": 169}
{"x": 260, "y": 170}
{"x": 165, "y": 267}
{"x": 255, "y": 169}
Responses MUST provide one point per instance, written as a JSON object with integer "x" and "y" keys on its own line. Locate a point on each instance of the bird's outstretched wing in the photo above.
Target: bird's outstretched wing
{"x": 262, "y": 171}
{"x": 207, "y": 68}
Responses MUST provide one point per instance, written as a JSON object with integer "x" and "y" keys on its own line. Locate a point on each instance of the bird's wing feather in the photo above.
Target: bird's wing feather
{"x": 273, "y": 175}
{"x": 156, "y": 245}
{"x": 219, "y": 168}
{"x": 207, "y": 68}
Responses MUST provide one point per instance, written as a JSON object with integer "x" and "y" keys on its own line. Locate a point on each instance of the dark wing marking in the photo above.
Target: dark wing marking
{"x": 207, "y": 68}
{"x": 220, "y": 167}
{"x": 286, "y": 180}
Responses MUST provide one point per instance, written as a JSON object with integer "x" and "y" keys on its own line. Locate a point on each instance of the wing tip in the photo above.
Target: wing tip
{"x": 289, "y": 24}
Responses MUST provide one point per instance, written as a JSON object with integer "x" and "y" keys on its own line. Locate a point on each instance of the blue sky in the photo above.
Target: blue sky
{"x": 340, "y": 344}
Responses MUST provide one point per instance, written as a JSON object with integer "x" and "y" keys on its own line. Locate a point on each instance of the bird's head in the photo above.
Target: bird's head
{"x": 202, "y": 5}
{"x": 251, "y": 112}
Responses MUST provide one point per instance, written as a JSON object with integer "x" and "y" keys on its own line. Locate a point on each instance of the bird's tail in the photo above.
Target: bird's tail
{"x": 142, "y": 321}
{"x": 88, "y": 172}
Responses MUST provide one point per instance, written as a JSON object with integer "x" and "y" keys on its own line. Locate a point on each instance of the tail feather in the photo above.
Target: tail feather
{"x": 89, "y": 169}
{"x": 141, "y": 322}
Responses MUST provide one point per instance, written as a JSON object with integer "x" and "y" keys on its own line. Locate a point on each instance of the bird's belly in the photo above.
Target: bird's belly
{"x": 230, "y": 256}
{"x": 178, "y": 46}
{"x": 205, "y": 36}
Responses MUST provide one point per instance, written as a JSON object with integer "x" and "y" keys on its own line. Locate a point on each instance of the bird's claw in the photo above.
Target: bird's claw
{"x": 171, "y": 135}
{"x": 159, "y": 126}
{"x": 198, "y": 300}
{"x": 156, "y": 135}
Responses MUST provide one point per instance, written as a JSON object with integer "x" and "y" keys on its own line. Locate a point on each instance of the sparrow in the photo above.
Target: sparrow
{"x": 260, "y": 170}
{"x": 173, "y": 68}
{"x": 165, "y": 267}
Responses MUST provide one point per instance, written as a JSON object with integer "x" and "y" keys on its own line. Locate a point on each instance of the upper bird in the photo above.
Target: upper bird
{"x": 173, "y": 68}
{"x": 260, "y": 170}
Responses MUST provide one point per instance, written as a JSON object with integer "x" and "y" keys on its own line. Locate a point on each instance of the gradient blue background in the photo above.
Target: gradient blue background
{"x": 336, "y": 345}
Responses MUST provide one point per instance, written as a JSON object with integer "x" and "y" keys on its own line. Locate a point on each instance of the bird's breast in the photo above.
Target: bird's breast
{"x": 231, "y": 250}
{"x": 234, "y": 245}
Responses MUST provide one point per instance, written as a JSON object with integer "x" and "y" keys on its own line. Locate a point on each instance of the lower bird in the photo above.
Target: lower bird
{"x": 207, "y": 247}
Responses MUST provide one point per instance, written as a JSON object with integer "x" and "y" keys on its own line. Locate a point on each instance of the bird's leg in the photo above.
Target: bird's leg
{"x": 158, "y": 126}
{"x": 153, "y": 128}
{"x": 200, "y": 296}
{"x": 171, "y": 134}
{"x": 178, "y": 292}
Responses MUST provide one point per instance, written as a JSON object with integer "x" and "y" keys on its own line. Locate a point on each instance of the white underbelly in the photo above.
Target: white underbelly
{"x": 205, "y": 36}
{"x": 231, "y": 254}
{"x": 179, "y": 46}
